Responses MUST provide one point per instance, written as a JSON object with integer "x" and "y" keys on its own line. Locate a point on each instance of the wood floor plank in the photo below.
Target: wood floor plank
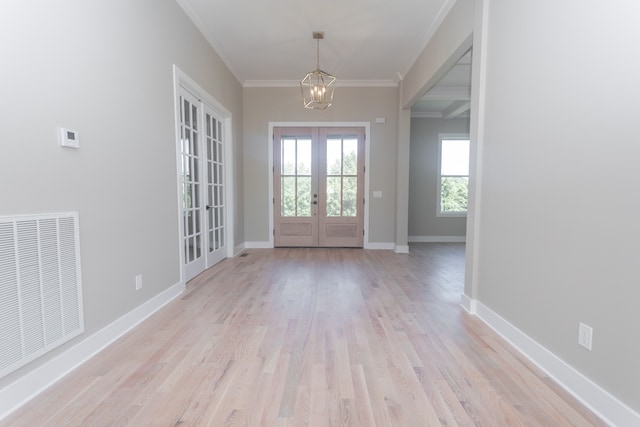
{"x": 312, "y": 337}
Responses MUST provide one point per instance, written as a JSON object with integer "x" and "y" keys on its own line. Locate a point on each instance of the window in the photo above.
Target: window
{"x": 453, "y": 185}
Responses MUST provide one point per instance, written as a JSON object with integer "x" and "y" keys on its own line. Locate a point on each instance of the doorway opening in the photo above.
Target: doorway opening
{"x": 203, "y": 157}
{"x": 319, "y": 186}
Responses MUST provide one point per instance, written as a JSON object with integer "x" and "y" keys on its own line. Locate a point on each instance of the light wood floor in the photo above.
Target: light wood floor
{"x": 320, "y": 337}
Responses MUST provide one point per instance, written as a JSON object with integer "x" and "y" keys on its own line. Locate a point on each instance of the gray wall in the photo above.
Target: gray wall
{"x": 423, "y": 178}
{"x": 264, "y": 105}
{"x": 559, "y": 220}
{"x": 104, "y": 69}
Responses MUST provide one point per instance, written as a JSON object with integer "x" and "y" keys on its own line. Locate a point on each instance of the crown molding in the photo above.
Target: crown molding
{"x": 339, "y": 83}
{"x": 193, "y": 15}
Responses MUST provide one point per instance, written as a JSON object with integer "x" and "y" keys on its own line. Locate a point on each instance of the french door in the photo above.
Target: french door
{"x": 202, "y": 185}
{"x": 319, "y": 187}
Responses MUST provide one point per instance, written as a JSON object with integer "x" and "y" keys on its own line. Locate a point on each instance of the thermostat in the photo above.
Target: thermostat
{"x": 69, "y": 138}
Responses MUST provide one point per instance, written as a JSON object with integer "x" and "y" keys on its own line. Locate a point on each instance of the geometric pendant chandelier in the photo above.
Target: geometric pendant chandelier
{"x": 317, "y": 86}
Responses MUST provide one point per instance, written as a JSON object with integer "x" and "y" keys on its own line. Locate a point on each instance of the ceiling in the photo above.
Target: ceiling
{"x": 366, "y": 42}
{"x": 451, "y": 96}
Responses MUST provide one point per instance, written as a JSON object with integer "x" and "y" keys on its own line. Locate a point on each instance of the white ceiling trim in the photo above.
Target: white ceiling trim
{"x": 204, "y": 30}
{"x": 339, "y": 83}
{"x": 444, "y": 93}
{"x": 436, "y": 115}
{"x": 444, "y": 10}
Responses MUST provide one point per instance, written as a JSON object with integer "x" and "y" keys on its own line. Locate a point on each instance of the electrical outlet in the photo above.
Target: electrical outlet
{"x": 138, "y": 282}
{"x": 585, "y": 335}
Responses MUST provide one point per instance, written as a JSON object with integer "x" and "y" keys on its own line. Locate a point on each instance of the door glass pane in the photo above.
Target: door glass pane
{"x": 334, "y": 191}
{"x": 288, "y": 196}
{"x": 195, "y": 169}
{"x": 186, "y": 142}
{"x": 194, "y": 143}
{"x": 288, "y": 157}
{"x": 196, "y": 196}
{"x": 350, "y": 157}
{"x": 187, "y": 113}
{"x": 190, "y": 250}
{"x": 304, "y": 196}
{"x": 304, "y": 157}
{"x": 349, "y": 193}
{"x": 334, "y": 156}
{"x": 190, "y": 223}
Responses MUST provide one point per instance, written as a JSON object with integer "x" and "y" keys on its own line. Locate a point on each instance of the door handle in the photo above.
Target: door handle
{"x": 209, "y": 207}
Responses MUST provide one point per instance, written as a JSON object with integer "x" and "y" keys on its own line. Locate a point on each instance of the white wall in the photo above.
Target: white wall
{"x": 423, "y": 179}
{"x": 103, "y": 69}
{"x": 560, "y": 230}
{"x": 264, "y": 105}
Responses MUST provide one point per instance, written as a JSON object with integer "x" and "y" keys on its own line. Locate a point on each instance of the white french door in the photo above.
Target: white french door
{"x": 201, "y": 145}
{"x": 319, "y": 187}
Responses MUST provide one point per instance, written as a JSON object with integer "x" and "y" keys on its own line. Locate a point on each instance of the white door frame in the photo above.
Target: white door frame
{"x": 182, "y": 80}
{"x": 367, "y": 151}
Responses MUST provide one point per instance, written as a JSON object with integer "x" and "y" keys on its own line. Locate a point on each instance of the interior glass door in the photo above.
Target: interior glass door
{"x": 215, "y": 188}
{"x": 202, "y": 178}
{"x": 192, "y": 231}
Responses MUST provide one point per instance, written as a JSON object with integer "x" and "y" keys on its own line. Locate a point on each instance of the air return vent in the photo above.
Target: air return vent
{"x": 40, "y": 288}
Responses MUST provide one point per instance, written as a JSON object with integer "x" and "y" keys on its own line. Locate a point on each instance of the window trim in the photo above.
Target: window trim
{"x": 447, "y": 137}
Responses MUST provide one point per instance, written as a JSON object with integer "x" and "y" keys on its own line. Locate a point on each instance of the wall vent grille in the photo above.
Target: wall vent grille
{"x": 40, "y": 286}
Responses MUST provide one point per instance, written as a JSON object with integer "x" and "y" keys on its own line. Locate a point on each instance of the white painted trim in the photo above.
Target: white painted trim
{"x": 258, "y": 245}
{"x": 35, "y": 382}
{"x": 590, "y": 394}
{"x": 442, "y": 14}
{"x": 339, "y": 83}
{"x": 468, "y": 304}
{"x": 367, "y": 168}
{"x": 380, "y": 246}
{"x": 182, "y": 80}
{"x": 241, "y": 247}
{"x": 401, "y": 249}
{"x": 202, "y": 27}
{"x": 437, "y": 239}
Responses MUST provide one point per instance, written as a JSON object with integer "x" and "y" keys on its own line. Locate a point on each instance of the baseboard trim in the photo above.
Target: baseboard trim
{"x": 437, "y": 239}
{"x": 16, "y": 394}
{"x": 258, "y": 245}
{"x": 401, "y": 249}
{"x": 468, "y": 304}
{"x": 380, "y": 246}
{"x": 236, "y": 250}
{"x": 602, "y": 403}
